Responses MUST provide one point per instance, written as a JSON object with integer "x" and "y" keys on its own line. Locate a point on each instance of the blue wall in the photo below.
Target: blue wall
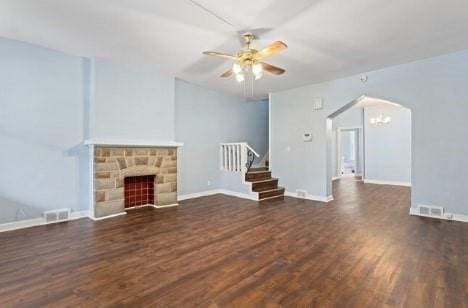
{"x": 132, "y": 103}
{"x": 436, "y": 92}
{"x": 388, "y": 147}
{"x": 42, "y": 107}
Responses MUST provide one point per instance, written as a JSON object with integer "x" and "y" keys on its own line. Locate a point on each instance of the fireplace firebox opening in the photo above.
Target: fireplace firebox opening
{"x": 139, "y": 190}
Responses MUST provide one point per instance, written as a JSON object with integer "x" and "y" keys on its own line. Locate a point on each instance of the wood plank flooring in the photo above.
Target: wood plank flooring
{"x": 361, "y": 250}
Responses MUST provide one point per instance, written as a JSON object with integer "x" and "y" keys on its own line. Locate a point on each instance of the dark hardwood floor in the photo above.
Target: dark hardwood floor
{"x": 362, "y": 250}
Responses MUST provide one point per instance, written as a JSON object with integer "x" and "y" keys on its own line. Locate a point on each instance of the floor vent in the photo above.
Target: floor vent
{"x": 434, "y": 211}
{"x": 57, "y": 215}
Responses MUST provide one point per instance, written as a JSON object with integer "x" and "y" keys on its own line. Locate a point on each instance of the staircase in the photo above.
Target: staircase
{"x": 263, "y": 184}
{"x": 239, "y": 157}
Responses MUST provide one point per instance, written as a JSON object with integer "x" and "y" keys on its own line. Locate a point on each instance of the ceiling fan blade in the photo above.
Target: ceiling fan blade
{"x": 272, "y": 69}
{"x": 227, "y": 73}
{"x": 218, "y": 54}
{"x": 274, "y": 48}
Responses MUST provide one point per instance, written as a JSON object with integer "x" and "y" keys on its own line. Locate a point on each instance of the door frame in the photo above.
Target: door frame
{"x": 359, "y": 130}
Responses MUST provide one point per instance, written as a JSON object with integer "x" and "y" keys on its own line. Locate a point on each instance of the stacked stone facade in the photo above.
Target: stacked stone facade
{"x": 113, "y": 164}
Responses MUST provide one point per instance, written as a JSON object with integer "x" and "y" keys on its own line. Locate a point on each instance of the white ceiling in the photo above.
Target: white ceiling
{"x": 327, "y": 39}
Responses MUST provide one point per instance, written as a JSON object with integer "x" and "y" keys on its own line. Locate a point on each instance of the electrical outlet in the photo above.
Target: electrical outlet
{"x": 301, "y": 193}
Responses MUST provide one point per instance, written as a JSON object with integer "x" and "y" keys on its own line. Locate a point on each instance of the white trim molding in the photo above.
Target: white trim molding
{"x": 198, "y": 195}
{"x": 164, "y": 206}
{"x": 252, "y": 196}
{"x": 39, "y": 221}
{"x": 132, "y": 143}
{"x": 22, "y": 224}
{"x": 107, "y": 217}
{"x": 380, "y": 182}
{"x": 447, "y": 216}
{"x": 324, "y": 199}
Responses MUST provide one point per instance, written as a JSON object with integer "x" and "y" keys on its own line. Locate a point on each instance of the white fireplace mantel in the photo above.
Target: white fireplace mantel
{"x": 131, "y": 143}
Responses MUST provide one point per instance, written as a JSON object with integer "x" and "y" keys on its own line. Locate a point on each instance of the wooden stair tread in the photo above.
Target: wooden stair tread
{"x": 271, "y": 193}
{"x": 263, "y": 190}
{"x": 264, "y": 181}
{"x": 257, "y": 176}
{"x": 258, "y": 172}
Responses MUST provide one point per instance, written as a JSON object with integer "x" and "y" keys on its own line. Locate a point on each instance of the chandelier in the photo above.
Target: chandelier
{"x": 380, "y": 120}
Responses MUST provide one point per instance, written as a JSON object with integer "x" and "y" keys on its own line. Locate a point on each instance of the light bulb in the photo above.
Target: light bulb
{"x": 257, "y": 69}
{"x": 240, "y": 77}
{"x": 387, "y": 120}
{"x": 258, "y": 75}
{"x": 236, "y": 68}
{"x": 372, "y": 121}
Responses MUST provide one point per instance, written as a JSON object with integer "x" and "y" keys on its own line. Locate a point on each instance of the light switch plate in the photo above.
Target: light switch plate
{"x": 307, "y": 137}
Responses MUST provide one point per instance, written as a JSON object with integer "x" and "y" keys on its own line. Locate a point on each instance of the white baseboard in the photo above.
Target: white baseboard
{"x": 22, "y": 224}
{"x": 325, "y": 199}
{"x": 107, "y": 217}
{"x": 448, "y": 216}
{"x": 79, "y": 214}
{"x": 198, "y": 195}
{"x": 164, "y": 206}
{"x": 380, "y": 182}
{"x": 253, "y": 196}
{"x": 39, "y": 221}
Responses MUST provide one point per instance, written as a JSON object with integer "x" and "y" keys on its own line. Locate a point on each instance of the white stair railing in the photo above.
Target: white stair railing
{"x": 234, "y": 156}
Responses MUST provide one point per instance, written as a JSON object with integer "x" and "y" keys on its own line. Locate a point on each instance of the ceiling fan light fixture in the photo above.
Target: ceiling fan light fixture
{"x": 257, "y": 69}
{"x": 240, "y": 78}
{"x": 248, "y": 62}
{"x": 236, "y": 68}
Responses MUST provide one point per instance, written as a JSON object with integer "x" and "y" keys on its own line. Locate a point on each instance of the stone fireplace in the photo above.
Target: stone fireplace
{"x": 133, "y": 176}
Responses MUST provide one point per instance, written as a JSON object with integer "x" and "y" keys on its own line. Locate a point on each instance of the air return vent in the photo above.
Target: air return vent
{"x": 433, "y": 211}
{"x": 57, "y": 215}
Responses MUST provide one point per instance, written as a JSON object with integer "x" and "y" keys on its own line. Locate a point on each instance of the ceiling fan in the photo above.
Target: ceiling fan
{"x": 249, "y": 60}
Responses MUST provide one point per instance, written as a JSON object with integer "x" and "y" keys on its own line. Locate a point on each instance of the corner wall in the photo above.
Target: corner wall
{"x": 206, "y": 118}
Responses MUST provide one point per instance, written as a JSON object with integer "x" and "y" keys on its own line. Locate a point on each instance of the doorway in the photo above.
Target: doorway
{"x": 378, "y": 152}
{"x": 348, "y": 151}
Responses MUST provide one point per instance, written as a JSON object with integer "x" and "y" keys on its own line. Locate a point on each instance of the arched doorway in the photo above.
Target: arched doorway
{"x": 382, "y": 144}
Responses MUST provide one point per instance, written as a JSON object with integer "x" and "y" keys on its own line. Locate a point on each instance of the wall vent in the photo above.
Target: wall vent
{"x": 57, "y": 215}
{"x": 429, "y": 210}
{"x": 301, "y": 193}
